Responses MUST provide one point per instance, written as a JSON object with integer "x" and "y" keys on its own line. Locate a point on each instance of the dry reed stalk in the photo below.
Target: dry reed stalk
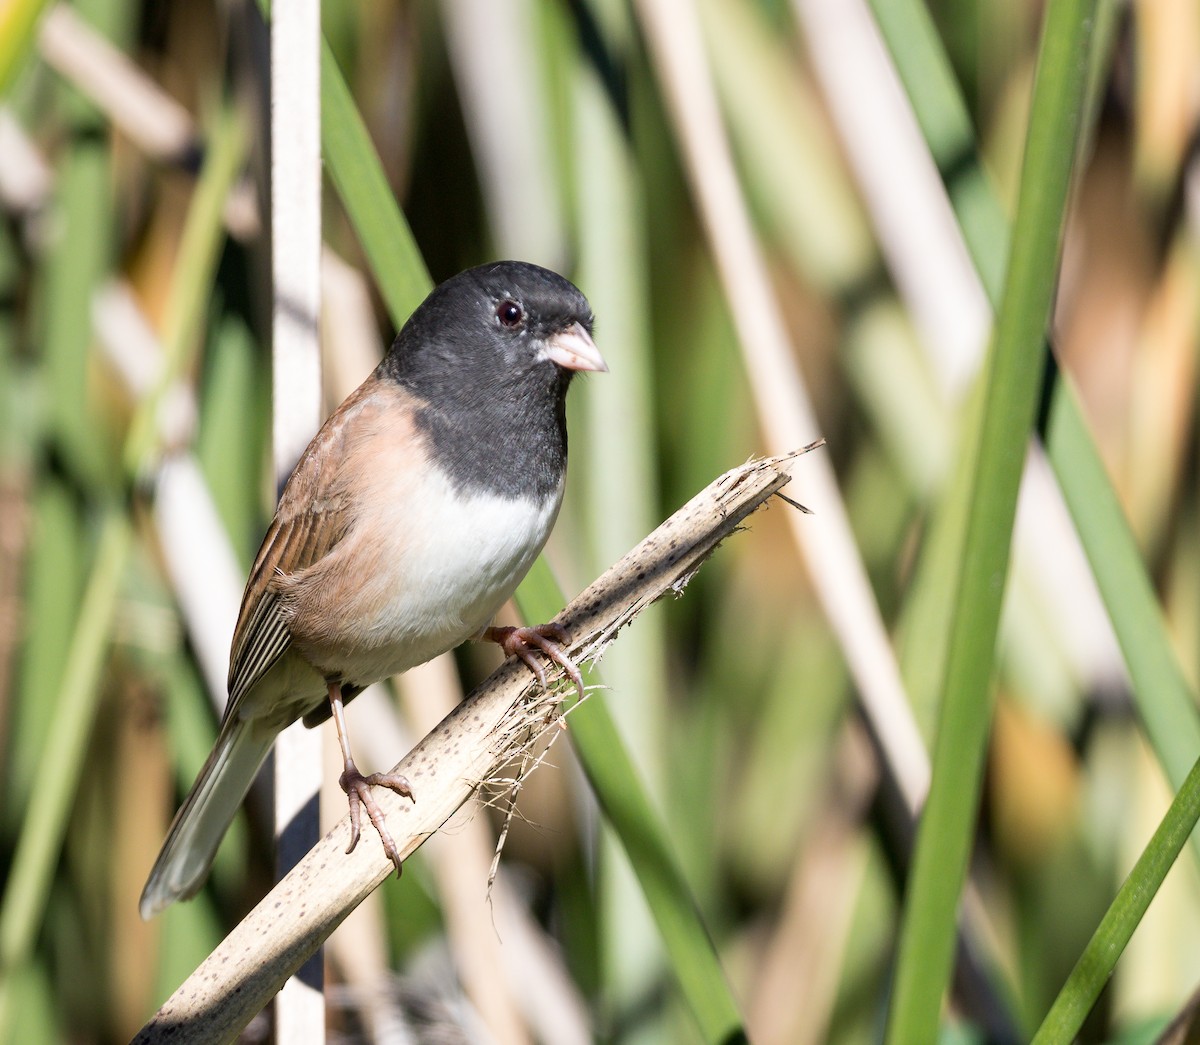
{"x": 495, "y": 723}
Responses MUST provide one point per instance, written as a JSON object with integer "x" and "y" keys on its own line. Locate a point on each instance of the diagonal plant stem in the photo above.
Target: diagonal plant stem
{"x": 783, "y": 405}
{"x": 1013, "y": 373}
{"x": 1164, "y": 699}
{"x": 1162, "y": 695}
{"x": 155, "y": 122}
{"x": 199, "y": 252}
{"x": 1095, "y": 965}
{"x": 362, "y": 186}
{"x": 18, "y": 25}
{"x": 490, "y": 727}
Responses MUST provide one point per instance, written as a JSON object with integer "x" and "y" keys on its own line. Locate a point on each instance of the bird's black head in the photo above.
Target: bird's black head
{"x": 497, "y": 326}
{"x": 492, "y": 351}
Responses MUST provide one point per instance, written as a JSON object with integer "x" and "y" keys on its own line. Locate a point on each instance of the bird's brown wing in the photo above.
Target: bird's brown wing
{"x": 312, "y": 517}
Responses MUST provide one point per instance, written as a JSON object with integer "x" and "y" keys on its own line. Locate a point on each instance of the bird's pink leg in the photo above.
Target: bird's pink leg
{"x": 551, "y": 639}
{"x": 358, "y": 787}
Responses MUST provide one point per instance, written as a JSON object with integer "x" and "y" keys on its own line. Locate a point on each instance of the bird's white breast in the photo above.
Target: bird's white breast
{"x": 440, "y": 575}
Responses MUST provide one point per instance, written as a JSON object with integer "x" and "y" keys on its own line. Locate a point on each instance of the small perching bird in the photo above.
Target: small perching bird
{"x": 408, "y": 522}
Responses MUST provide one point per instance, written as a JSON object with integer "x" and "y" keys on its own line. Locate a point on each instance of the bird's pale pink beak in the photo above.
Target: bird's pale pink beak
{"x": 574, "y": 349}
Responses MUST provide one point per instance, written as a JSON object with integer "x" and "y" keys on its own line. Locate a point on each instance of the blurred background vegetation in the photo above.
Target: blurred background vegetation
{"x": 135, "y": 405}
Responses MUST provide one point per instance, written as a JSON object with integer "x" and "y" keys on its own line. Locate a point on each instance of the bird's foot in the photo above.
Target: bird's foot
{"x": 551, "y": 639}
{"x": 358, "y": 792}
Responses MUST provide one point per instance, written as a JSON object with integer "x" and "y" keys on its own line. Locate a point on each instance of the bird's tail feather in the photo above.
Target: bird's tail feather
{"x": 204, "y": 817}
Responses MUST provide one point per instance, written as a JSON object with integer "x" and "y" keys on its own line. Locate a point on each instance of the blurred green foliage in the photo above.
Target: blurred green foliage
{"x": 734, "y": 705}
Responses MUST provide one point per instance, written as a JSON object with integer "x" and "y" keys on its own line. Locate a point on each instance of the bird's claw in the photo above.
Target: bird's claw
{"x": 550, "y": 639}
{"x": 358, "y": 792}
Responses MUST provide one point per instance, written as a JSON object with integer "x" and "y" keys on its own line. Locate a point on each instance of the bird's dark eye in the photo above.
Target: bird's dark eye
{"x": 509, "y": 313}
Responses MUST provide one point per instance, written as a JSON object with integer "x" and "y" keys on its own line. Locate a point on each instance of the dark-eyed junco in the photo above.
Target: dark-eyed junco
{"x": 408, "y": 522}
